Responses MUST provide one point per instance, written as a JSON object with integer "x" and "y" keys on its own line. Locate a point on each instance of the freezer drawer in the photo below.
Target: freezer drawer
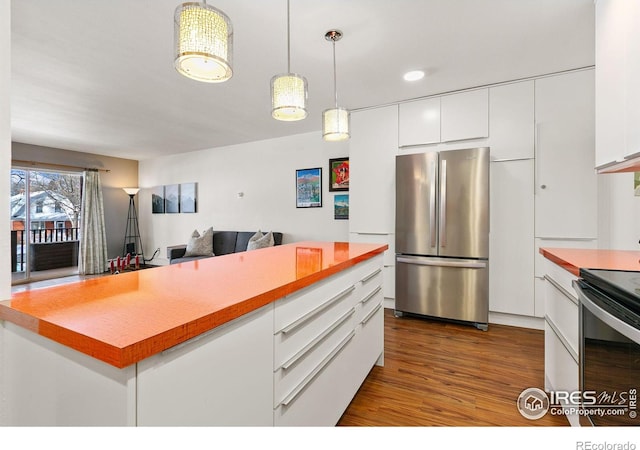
{"x": 449, "y": 288}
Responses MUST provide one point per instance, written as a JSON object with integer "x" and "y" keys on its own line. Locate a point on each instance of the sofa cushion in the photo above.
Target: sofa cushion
{"x": 200, "y": 245}
{"x": 260, "y": 240}
{"x": 224, "y": 242}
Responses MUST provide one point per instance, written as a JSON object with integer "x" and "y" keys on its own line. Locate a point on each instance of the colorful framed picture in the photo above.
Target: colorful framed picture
{"x": 309, "y": 188}
{"x": 172, "y": 198}
{"x": 636, "y": 183}
{"x": 339, "y": 174}
{"x": 157, "y": 200}
{"x": 341, "y": 206}
{"x": 188, "y": 200}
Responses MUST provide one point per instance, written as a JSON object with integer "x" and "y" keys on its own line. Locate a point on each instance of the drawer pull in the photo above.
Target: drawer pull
{"x": 292, "y": 326}
{"x": 371, "y": 275}
{"x": 563, "y": 340}
{"x": 371, "y": 295}
{"x": 295, "y": 358}
{"x": 309, "y": 378}
{"x": 371, "y": 314}
{"x": 564, "y": 292}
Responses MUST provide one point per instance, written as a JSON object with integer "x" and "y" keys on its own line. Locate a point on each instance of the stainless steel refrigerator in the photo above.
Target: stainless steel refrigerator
{"x": 442, "y": 235}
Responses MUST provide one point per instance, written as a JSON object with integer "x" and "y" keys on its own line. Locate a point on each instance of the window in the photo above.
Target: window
{"x": 39, "y": 205}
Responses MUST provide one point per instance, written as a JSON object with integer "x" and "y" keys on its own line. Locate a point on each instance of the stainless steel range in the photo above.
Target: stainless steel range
{"x": 609, "y": 346}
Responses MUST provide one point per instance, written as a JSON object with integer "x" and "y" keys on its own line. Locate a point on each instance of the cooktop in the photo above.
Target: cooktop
{"x": 620, "y": 285}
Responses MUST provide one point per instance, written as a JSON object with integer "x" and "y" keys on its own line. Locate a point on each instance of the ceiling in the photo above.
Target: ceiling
{"x": 97, "y": 75}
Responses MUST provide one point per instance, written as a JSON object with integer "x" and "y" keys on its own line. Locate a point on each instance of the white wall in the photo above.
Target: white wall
{"x": 263, "y": 171}
{"x": 619, "y": 212}
{"x": 5, "y": 169}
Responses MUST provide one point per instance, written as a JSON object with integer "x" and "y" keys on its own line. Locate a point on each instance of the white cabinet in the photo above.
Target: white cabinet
{"x": 617, "y": 74}
{"x": 566, "y": 183}
{"x": 464, "y": 115}
{"x": 511, "y": 241}
{"x": 326, "y": 341}
{"x": 419, "y": 122}
{"x": 222, "y": 378}
{"x": 511, "y": 125}
{"x": 372, "y": 190}
{"x": 561, "y": 343}
{"x": 372, "y": 152}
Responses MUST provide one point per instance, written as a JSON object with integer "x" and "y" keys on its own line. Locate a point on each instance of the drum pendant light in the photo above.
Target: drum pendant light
{"x": 288, "y": 90}
{"x": 203, "y": 42}
{"x": 335, "y": 121}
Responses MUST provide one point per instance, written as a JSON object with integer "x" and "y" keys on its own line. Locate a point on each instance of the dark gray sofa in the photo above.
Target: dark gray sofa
{"x": 224, "y": 242}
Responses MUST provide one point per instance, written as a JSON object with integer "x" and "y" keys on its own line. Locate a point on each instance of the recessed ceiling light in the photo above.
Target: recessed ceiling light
{"x": 414, "y": 75}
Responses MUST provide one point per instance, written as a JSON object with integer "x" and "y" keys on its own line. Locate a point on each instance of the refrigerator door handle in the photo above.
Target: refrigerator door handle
{"x": 444, "y": 263}
{"x": 443, "y": 203}
{"x": 432, "y": 203}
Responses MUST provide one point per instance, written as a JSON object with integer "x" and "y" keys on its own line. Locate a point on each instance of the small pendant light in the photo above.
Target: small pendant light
{"x": 335, "y": 121}
{"x": 203, "y": 42}
{"x": 288, "y": 90}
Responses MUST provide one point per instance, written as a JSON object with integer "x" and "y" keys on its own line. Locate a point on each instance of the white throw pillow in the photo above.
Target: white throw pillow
{"x": 260, "y": 240}
{"x": 200, "y": 245}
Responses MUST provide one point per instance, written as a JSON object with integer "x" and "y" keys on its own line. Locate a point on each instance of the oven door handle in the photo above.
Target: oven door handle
{"x": 620, "y": 326}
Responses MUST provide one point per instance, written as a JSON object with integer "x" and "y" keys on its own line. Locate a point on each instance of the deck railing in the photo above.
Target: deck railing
{"x": 20, "y": 244}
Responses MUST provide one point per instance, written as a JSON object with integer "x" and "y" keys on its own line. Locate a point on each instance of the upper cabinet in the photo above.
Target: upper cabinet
{"x": 372, "y": 161}
{"x": 566, "y": 184}
{"x": 616, "y": 86}
{"x": 419, "y": 122}
{"x": 511, "y": 128}
{"x": 464, "y": 115}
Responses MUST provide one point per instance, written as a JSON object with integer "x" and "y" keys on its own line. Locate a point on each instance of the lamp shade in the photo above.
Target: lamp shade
{"x": 203, "y": 42}
{"x": 335, "y": 124}
{"x": 288, "y": 97}
{"x": 131, "y": 191}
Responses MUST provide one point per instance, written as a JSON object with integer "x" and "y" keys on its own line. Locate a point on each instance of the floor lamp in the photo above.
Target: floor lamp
{"x": 132, "y": 241}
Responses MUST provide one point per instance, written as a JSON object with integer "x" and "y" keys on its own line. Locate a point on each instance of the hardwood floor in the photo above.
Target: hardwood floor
{"x": 445, "y": 374}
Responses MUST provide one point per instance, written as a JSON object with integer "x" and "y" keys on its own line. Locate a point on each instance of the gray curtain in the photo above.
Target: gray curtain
{"x": 93, "y": 238}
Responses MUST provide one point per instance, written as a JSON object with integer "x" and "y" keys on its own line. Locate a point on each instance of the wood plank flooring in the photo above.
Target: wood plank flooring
{"x": 445, "y": 374}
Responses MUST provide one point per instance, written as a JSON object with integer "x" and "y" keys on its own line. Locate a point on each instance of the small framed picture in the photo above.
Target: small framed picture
{"x": 188, "y": 198}
{"x": 339, "y": 174}
{"x": 309, "y": 188}
{"x": 341, "y": 206}
{"x": 172, "y": 198}
{"x": 157, "y": 200}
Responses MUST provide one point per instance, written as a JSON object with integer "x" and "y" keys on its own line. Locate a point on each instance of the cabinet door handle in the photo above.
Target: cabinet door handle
{"x": 371, "y": 295}
{"x": 443, "y": 203}
{"x": 371, "y": 275}
{"x": 295, "y": 358}
{"x": 298, "y": 389}
{"x": 371, "y": 314}
{"x": 292, "y": 326}
{"x": 562, "y": 339}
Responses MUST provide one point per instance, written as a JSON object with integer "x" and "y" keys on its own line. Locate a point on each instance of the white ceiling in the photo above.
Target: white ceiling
{"x": 97, "y": 75}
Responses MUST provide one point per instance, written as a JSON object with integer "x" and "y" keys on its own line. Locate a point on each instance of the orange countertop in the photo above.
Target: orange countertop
{"x": 574, "y": 259}
{"x": 124, "y": 318}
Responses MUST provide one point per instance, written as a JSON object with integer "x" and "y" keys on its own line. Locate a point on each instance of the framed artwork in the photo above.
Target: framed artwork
{"x": 341, "y": 206}
{"x": 172, "y": 198}
{"x": 157, "y": 200}
{"x": 309, "y": 188}
{"x": 339, "y": 174}
{"x": 636, "y": 183}
{"x": 188, "y": 199}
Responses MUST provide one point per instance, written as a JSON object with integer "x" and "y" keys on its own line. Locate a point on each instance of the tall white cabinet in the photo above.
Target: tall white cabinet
{"x": 372, "y": 153}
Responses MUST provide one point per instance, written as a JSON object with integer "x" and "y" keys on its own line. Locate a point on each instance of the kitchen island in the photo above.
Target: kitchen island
{"x": 277, "y": 336}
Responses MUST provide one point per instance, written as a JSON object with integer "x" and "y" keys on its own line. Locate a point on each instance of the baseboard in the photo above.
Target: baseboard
{"x": 389, "y": 303}
{"x": 513, "y": 320}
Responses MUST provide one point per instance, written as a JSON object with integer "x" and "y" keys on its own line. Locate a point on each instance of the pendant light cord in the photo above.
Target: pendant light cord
{"x": 288, "y": 40}
{"x": 335, "y": 83}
